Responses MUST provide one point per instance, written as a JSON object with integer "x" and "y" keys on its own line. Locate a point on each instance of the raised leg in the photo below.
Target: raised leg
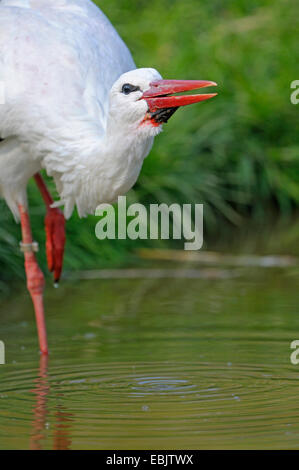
{"x": 35, "y": 278}
{"x": 55, "y": 231}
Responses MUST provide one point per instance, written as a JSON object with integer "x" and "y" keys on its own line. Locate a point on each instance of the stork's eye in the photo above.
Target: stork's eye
{"x": 128, "y": 88}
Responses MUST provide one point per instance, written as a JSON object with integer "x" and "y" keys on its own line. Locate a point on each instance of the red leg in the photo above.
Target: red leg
{"x": 55, "y": 231}
{"x": 35, "y": 279}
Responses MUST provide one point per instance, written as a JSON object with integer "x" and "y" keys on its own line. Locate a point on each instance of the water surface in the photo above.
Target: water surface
{"x": 198, "y": 363}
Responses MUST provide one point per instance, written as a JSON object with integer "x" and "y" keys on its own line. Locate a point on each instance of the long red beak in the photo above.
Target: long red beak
{"x": 157, "y": 96}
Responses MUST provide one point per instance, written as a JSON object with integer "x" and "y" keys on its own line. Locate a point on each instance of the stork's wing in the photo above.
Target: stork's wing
{"x": 58, "y": 61}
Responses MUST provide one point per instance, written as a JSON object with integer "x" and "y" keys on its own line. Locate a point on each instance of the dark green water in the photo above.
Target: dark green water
{"x": 155, "y": 364}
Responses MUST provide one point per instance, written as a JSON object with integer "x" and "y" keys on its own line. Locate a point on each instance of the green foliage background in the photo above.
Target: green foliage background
{"x": 238, "y": 154}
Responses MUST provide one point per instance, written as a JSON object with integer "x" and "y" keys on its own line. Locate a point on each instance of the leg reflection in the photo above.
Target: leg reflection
{"x": 62, "y": 426}
{"x": 62, "y": 440}
{"x": 41, "y": 391}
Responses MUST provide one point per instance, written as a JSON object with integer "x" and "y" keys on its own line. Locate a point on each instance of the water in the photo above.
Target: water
{"x": 155, "y": 364}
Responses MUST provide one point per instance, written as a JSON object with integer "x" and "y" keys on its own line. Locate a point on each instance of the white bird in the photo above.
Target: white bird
{"x": 75, "y": 105}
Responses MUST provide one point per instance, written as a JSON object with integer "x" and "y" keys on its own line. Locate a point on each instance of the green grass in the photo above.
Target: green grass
{"x": 238, "y": 153}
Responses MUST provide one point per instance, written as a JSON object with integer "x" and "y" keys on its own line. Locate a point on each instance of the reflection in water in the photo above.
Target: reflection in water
{"x": 61, "y": 439}
{"x": 40, "y": 410}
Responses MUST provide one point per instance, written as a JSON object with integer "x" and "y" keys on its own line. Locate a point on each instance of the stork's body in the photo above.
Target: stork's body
{"x": 76, "y": 106}
{"x": 58, "y": 62}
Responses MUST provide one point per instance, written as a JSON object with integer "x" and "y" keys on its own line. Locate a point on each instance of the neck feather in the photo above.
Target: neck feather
{"x": 95, "y": 167}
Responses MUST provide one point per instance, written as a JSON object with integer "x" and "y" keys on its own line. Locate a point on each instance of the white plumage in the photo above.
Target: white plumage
{"x": 58, "y": 62}
{"x": 75, "y": 104}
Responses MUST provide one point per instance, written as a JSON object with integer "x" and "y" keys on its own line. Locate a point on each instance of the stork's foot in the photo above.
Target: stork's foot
{"x": 55, "y": 231}
{"x": 55, "y": 241}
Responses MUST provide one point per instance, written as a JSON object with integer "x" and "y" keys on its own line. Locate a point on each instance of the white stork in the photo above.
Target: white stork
{"x": 75, "y": 105}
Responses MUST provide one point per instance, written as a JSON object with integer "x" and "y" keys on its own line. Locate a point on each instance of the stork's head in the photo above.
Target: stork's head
{"x": 140, "y": 101}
